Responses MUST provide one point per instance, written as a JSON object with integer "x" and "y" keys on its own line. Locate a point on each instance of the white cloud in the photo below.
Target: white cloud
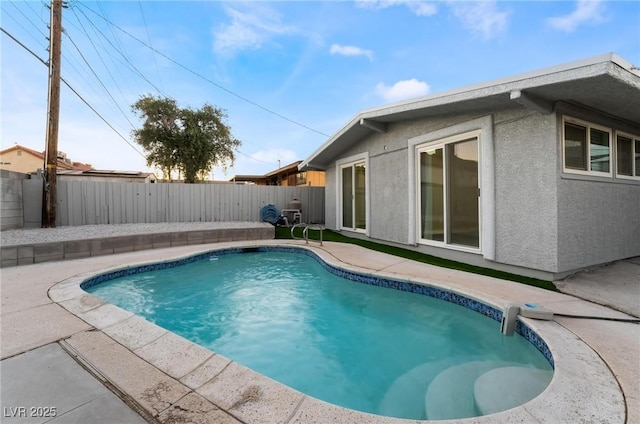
{"x": 419, "y": 8}
{"x": 350, "y": 51}
{"x": 587, "y": 11}
{"x": 403, "y": 89}
{"x": 481, "y": 17}
{"x": 248, "y": 29}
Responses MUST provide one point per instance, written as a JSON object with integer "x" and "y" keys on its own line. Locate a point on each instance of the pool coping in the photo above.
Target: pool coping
{"x": 583, "y": 387}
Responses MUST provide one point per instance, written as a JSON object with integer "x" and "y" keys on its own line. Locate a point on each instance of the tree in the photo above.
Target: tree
{"x": 188, "y": 141}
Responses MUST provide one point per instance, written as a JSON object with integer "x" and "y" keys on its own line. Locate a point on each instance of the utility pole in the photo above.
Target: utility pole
{"x": 49, "y": 193}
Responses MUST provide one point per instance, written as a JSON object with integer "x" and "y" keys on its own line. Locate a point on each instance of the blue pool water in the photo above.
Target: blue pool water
{"x": 360, "y": 346}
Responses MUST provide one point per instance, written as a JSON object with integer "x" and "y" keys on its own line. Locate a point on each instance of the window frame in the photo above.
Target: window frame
{"x": 634, "y": 171}
{"x": 589, "y": 126}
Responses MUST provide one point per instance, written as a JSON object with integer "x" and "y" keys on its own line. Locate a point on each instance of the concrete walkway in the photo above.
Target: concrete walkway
{"x": 615, "y": 285}
{"x": 170, "y": 380}
{"x": 46, "y": 385}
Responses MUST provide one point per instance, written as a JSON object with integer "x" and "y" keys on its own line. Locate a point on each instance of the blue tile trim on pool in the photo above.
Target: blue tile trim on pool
{"x": 446, "y": 295}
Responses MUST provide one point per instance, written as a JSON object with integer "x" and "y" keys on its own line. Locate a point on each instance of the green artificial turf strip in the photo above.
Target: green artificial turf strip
{"x": 328, "y": 235}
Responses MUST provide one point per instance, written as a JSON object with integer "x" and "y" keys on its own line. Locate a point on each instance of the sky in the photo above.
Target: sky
{"x": 288, "y": 74}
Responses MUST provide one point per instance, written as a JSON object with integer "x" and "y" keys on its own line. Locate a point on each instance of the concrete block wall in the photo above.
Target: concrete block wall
{"x": 75, "y": 249}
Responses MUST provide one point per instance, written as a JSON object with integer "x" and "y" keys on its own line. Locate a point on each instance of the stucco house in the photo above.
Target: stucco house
{"x": 537, "y": 174}
{"x": 22, "y": 159}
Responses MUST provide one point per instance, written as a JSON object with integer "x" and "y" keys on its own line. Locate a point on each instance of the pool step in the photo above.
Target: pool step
{"x": 507, "y": 387}
{"x": 405, "y": 396}
{"x": 450, "y": 394}
{"x": 481, "y": 388}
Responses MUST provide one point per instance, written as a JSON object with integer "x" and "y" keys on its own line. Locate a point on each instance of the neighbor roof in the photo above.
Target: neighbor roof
{"x": 287, "y": 168}
{"x": 291, "y": 167}
{"x": 107, "y": 173}
{"x": 606, "y": 82}
{"x": 62, "y": 164}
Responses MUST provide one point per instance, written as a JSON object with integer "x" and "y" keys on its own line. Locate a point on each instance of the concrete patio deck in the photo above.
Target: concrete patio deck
{"x": 167, "y": 379}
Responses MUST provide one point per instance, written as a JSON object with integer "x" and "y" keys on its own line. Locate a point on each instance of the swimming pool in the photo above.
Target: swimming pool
{"x": 419, "y": 366}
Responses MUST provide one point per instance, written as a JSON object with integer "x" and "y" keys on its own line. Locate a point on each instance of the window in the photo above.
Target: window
{"x": 627, "y": 156}
{"x": 587, "y": 148}
{"x": 449, "y": 207}
{"x": 301, "y": 178}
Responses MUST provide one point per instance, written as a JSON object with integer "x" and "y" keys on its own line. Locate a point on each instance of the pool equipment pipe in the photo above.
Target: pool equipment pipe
{"x": 527, "y": 310}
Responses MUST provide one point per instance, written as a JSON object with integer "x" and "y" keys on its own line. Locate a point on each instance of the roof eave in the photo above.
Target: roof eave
{"x": 597, "y": 65}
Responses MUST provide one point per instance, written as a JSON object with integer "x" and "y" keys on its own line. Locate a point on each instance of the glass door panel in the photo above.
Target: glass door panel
{"x": 463, "y": 211}
{"x": 449, "y": 193}
{"x": 354, "y": 196}
{"x": 637, "y": 159}
{"x": 432, "y": 195}
{"x": 360, "y": 196}
{"x": 347, "y": 197}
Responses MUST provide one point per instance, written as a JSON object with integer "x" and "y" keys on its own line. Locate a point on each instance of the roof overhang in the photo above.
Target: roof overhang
{"x": 605, "y": 83}
{"x": 287, "y": 168}
{"x": 246, "y": 177}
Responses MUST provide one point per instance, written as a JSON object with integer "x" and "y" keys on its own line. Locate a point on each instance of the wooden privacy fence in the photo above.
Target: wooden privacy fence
{"x": 93, "y": 202}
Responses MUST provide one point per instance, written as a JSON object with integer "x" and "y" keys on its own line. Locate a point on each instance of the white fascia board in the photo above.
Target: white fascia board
{"x": 418, "y": 101}
{"x": 305, "y": 163}
{"x": 507, "y": 84}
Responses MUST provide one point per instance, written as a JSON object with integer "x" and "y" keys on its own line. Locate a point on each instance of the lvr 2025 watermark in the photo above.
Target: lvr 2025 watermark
{"x": 29, "y": 411}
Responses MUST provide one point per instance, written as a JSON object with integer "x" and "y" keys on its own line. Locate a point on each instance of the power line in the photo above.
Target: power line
{"x": 113, "y": 33}
{"x": 23, "y": 46}
{"x": 25, "y": 30}
{"x": 103, "y": 119}
{"x": 98, "y": 78}
{"x": 74, "y": 91}
{"x": 94, "y": 110}
{"x": 27, "y": 18}
{"x": 124, "y": 56}
{"x": 36, "y": 12}
{"x": 252, "y": 158}
{"x": 103, "y": 63}
{"x": 101, "y": 37}
{"x": 140, "y": 73}
{"x": 73, "y": 63}
{"x": 144, "y": 20}
{"x": 203, "y": 77}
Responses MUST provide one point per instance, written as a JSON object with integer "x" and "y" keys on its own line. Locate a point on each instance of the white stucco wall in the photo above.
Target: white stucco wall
{"x": 526, "y": 192}
{"x": 599, "y": 222}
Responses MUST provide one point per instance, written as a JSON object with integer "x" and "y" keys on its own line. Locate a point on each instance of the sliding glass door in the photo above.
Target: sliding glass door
{"x": 354, "y": 195}
{"x": 449, "y": 193}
